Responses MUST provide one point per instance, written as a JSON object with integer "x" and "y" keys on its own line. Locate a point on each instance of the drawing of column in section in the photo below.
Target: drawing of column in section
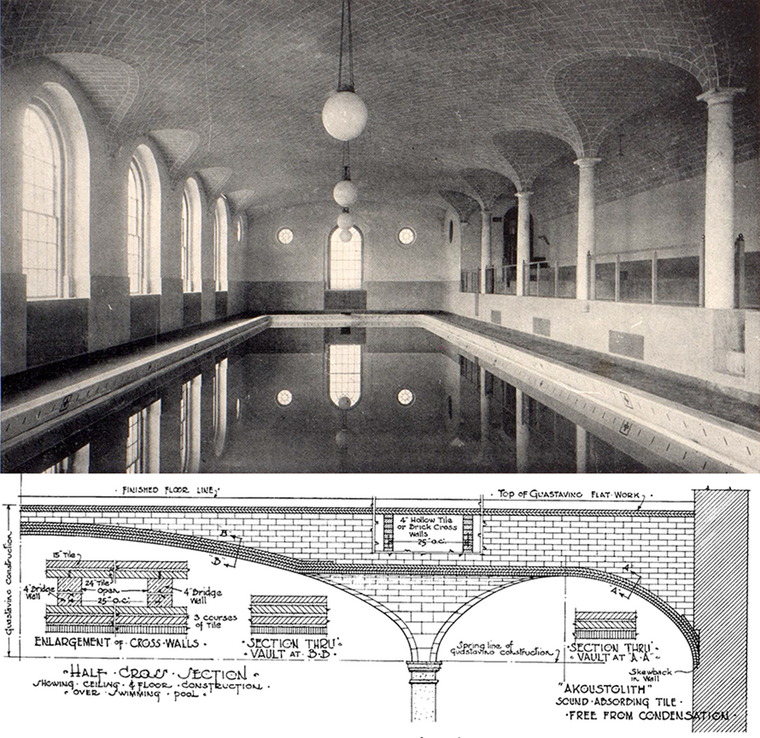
{"x": 289, "y": 614}
{"x": 102, "y": 597}
{"x": 720, "y": 609}
{"x": 424, "y": 681}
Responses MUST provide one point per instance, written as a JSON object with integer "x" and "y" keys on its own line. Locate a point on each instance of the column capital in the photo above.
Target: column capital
{"x": 719, "y": 95}
{"x": 424, "y": 672}
{"x": 586, "y": 162}
{"x": 524, "y": 193}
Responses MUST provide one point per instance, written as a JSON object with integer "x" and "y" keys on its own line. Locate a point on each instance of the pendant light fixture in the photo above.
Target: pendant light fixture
{"x": 346, "y": 193}
{"x": 344, "y": 115}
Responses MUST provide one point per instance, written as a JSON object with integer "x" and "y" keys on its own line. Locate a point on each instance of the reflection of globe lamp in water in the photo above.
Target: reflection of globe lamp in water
{"x": 344, "y": 403}
{"x": 341, "y": 438}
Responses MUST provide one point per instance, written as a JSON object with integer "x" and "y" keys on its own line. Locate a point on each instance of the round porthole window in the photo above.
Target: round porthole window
{"x": 406, "y": 236}
{"x": 285, "y": 236}
{"x": 405, "y": 397}
{"x": 284, "y": 397}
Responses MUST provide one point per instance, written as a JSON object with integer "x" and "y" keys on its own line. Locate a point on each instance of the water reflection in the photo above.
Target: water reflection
{"x": 190, "y": 425}
{"x": 143, "y": 440}
{"x": 425, "y": 406}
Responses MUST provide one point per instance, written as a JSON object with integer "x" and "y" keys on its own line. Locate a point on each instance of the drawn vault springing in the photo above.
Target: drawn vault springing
{"x": 690, "y": 564}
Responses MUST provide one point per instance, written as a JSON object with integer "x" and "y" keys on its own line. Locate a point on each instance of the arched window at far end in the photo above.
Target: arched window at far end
{"x": 345, "y": 260}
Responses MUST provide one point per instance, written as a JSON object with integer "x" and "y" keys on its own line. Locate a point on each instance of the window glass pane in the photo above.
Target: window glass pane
{"x": 345, "y": 261}
{"x": 42, "y": 258}
{"x": 220, "y": 244}
{"x": 185, "y": 243}
{"x": 135, "y": 229}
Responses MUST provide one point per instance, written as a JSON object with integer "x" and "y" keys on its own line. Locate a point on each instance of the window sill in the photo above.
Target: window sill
{"x": 55, "y": 299}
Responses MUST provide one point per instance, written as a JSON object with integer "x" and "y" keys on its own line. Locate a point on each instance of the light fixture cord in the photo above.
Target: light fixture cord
{"x": 346, "y": 160}
{"x": 346, "y": 40}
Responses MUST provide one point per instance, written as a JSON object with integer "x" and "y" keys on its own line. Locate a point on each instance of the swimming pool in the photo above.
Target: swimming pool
{"x": 352, "y": 395}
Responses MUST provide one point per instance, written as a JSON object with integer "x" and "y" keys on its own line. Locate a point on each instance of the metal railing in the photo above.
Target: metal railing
{"x": 672, "y": 275}
{"x": 469, "y": 280}
{"x": 545, "y": 279}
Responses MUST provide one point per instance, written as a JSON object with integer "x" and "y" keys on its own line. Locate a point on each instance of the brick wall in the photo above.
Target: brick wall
{"x": 657, "y": 546}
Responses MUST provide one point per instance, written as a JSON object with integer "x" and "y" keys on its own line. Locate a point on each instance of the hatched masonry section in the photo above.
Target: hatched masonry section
{"x": 653, "y": 550}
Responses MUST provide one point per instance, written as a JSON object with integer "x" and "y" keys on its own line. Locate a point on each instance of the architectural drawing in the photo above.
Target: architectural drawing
{"x": 80, "y": 583}
{"x": 289, "y": 614}
{"x": 605, "y": 626}
{"x": 426, "y": 566}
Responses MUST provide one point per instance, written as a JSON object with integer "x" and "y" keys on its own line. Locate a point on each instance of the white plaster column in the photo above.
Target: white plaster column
{"x": 719, "y": 198}
{"x": 485, "y": 246}
{"x": 523, "y": 238}
{"x": 424, "y": 680}
{"x": 522, "y": 435}
{"x": 586, "y": 228}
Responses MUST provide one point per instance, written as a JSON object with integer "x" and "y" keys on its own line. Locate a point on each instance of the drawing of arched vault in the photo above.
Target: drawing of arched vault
{"x": 689, "y": 564}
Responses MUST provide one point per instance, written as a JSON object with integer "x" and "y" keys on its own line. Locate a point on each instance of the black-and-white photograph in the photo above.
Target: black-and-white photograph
{"x": 380, "y": 236}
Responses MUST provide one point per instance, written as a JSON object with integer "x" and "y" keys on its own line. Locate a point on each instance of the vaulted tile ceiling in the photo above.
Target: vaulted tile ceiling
{"x": 470, "y": 97}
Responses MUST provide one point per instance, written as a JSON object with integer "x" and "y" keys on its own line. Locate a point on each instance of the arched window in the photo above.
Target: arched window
{"x": 55, "y": 196}
{"x": 190, "y": 237}
{"x": 345, "y": 260}
{"x": 143, "y": 223}
{"x": 221, "y": 236}
{"x": 44, "y": 259}
{"x": 136, "y": 230}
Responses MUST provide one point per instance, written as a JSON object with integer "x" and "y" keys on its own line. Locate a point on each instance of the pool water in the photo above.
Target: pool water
{"x": 334, "y": 400}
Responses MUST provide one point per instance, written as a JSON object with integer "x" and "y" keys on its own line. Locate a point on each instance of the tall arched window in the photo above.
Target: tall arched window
{"x": 136, "y": 258}
{"x": 190, "y": 237}
{"x": 345, "y": 261}
{"x": 55, "y": 196}
{"x": 143, "y": 223}
{"x": 221, "y": 236}
{"x": 43, "y": 257}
